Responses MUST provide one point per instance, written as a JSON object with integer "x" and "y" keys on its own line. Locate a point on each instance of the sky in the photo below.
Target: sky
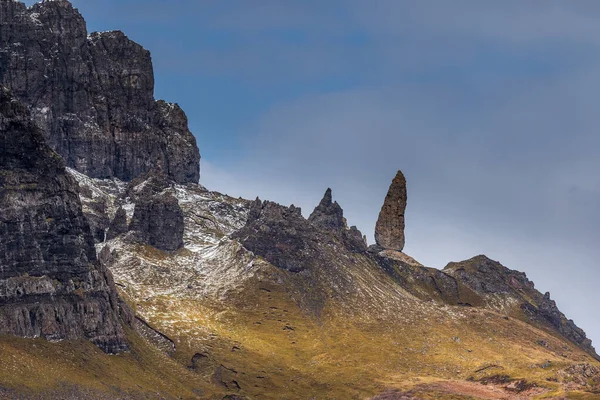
{"x": 489, "y": 108}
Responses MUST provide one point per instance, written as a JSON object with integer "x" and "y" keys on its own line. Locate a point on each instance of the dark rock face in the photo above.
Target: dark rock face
{"x": 490, "y": 278}
{"x": 389, "y": 230}
{"x": 281, "y": 235}
{"x": 118, "y": 225}
{"x": 328, "y": 215}
{"x": 51, "y": 284}
{"x": 157, "y": 219}
{"x": 425, "y": 283}
{"x": 159, "y": 222}
{"x": 92, "y": 95}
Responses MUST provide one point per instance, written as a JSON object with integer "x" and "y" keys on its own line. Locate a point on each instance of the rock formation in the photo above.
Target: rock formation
{"x": 157, "y": 218}
{"x": 92, "y": 94}
{"x": 389, "y": 230}
{"x": 158, "y": 221}
{"x": 51, "y": 284}
{"x": 279, "y": 234}
{"x": 329, "y": 215}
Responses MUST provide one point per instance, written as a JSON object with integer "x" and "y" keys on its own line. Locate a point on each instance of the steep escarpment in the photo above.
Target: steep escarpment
{"x": 93, "y": 95}
{"x": 51, "y": 284}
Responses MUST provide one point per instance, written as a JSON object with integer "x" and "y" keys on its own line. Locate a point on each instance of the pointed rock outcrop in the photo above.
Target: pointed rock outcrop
{"x": 389, "y": 230}
{"x": 328, "y": 214}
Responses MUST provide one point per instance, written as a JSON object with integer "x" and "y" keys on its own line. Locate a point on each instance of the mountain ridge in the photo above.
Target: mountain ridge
{"x": 241, "y": 299}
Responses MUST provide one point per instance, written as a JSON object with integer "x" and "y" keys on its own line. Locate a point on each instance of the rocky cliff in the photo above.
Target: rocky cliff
{"x": 51, "y": 284}
{"x": 92, "y": 94}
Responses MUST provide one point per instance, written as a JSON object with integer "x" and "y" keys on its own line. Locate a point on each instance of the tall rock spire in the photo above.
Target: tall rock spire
{"x": 389, "y": 230}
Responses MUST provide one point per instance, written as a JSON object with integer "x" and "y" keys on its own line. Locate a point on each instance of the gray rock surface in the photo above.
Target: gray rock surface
{"x": 389, "y": 230}
{"x": 328, "y": 214}
{"x": 51, "y": 284}
{"x": 118, "y": 225}
{"x": 92, "y": 94}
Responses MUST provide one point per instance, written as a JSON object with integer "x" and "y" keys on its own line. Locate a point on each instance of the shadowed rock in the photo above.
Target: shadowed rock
{"x": 93, "y": 95}
{"x": 118, "y": 225}
{"x": 158, "y": 220}
{"x": 491, "y": 279}
{"x": 51, "y": 284}
{"x": 389, "y": 230}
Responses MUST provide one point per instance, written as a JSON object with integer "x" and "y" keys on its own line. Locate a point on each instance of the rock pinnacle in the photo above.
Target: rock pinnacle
{"x": 389, "y": 230}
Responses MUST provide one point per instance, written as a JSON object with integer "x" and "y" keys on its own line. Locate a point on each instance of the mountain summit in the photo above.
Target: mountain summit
{"x": 93, "y": 95}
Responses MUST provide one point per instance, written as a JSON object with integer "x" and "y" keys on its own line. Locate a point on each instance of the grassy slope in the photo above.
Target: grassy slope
{"x": 279, "y": 350}
{"x": 260, "y": 338}
{"x": 35, "y": 368}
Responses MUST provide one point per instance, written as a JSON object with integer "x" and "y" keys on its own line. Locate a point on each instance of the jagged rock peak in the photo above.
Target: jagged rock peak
{"x": 389, "y": 230}
{"x": 51, "y": 284}
{"x": 328, "y": 214}
{"x": 98, "y": 110}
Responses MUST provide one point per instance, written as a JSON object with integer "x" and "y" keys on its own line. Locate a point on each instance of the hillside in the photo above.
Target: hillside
{"x": 121, "y": 277}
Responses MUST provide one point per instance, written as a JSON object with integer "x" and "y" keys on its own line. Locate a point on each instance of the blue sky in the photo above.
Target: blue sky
{"x": 489, "y": 108}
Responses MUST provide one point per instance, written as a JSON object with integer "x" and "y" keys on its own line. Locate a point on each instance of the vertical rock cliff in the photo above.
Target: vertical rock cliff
{"x": 51, "y": 284}
{"x": 93, "y": 95}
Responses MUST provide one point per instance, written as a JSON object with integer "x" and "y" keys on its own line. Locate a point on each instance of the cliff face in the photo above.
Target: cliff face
{"x": 51, "y": 284}
{"x": 92, "y": 94}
